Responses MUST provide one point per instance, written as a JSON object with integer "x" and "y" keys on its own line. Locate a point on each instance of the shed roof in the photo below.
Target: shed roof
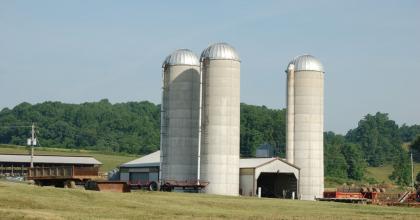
{"x": 258, "y": 162}
{"x": 149, "y": 160}
{"x": 54, "y": 159}
{"x": 153, "y": 159}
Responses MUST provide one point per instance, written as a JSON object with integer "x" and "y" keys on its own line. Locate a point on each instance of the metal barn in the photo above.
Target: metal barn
{"x": 276, "y": 177}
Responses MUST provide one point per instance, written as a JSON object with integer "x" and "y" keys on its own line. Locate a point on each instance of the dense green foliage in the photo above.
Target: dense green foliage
{"x": 133, "y": 127}
{"x": 342, "y": 159}
{"x": 418, "y": 178}
{"x": 261, "y": 125}
{"x": 409, "y": 133}
{"x": 402, "y": 169}
{"x": 415, "y": 149}
{"x": 379, "y": 138}
{"x": 355, "y": 163}
{"x": 334, "y": 161}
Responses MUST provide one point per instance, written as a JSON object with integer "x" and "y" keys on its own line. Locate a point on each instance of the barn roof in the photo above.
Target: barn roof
{"x": 150, "y": 160}
{"x": 258, "y": 162}
{"x": 153, "y": 159}
{"x": 53, "y": 159}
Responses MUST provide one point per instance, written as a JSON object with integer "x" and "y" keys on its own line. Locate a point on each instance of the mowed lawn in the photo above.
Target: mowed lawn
{"x": 110, "y": 161}
{"x": 381, "y": 174}
{"x": 22, "y": 201}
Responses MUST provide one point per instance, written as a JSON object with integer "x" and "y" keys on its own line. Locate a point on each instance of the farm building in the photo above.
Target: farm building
{"x": 276, "y": 177}
{"x": 143, "y": 169}
{"x": 18, "y": 164}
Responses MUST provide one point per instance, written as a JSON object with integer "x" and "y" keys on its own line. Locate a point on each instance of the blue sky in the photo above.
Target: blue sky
{"x": 80, "y": 51}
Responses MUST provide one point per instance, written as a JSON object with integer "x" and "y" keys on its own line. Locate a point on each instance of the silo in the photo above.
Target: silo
{"x": 306, "y": 107}
{"x": 220, "y": 119}
{"x": 179, "y": 116}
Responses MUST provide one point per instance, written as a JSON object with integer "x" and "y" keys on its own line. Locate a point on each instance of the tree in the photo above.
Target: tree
{"x": 409, "y": 133}
{"x": 335, "y": 164}
{"x": 260, "y": 125}
{"x": 378, "y": 137}
{"x": 402, "y": 169}
{"x": 127, "y": 127}
{"x": 356, "y": 165}
{"x": 415, "y": 149}
{"x": 418, "y": 177}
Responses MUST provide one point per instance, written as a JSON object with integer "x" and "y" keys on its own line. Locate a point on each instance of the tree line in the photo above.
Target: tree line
{"x": 134, "y": 127}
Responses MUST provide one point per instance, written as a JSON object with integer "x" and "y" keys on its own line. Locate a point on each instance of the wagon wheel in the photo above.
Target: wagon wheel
{"x": 153, "y": 186}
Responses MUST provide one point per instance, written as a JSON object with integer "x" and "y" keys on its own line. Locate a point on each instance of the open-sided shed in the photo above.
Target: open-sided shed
{"x": 276, "y": 177}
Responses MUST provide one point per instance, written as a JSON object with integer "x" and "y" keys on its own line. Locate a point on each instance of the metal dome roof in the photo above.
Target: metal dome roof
{"x": 220, "y": 51}
{"x": 181, "y": 57}
{"x": 307, "y": 62}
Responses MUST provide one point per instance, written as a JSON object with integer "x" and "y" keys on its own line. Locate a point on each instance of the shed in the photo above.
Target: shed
{"x": 276, "y": 177}
{"x": 144, "y": 169}
{"x": 18, "y": 164}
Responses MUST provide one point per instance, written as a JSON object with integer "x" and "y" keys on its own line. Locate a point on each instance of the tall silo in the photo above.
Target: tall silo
{"x": 179, "y": 116}
{"x": 220, "y": 119}
{"x": 305, "y": 123}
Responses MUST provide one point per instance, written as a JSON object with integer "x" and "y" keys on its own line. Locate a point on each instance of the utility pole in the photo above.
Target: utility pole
{"x": 412, "y": 171}
{"x": 32, "y": 143}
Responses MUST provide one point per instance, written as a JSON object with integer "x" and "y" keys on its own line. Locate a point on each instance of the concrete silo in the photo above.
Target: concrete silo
{"x": 179, "y": 116}
{"x": 220, "y": 119}
{"x": 305, "y": 123}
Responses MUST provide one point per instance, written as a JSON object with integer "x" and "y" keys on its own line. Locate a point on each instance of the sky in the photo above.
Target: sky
{"x": 87, "y": 50}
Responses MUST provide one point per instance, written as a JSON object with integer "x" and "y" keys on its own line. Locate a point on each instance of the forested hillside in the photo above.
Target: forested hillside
{"x": 134, "y": 127}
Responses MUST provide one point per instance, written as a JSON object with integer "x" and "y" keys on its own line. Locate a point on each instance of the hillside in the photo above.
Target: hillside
{"x": 134, "y": 128}
{"x": 109, "y": 160}
{"x": 20, "y": 201}
{"x": 381, "y": 174}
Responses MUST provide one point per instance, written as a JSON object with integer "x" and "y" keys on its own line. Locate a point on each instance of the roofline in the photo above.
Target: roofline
{"x": 285, "y": 161}
{"x": 210, "y": 58}
{"x": 48, "y": 155}
{"x": 273, "y": 159}
{"x": 165, "y": 65}
{"x": 321, "y": 71}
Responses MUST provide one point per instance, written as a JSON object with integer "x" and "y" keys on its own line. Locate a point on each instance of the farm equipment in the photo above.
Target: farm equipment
{"x": 108, "y": 186}
{"x": 353, "y": 195}
{"x": 185, "y": 186}
{"x": 62, "y": 176}
{"x": 148, "y": 185}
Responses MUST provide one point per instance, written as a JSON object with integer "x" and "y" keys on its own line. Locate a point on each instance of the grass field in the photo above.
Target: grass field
{"x": 112, "y": 160}
{"x": 21, "y": 201}
{"x": 381, "y": 174}
{"x": 109, "y": 160}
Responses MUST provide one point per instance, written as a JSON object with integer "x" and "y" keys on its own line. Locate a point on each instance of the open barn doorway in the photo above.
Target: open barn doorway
{"x": 277, "y": 185}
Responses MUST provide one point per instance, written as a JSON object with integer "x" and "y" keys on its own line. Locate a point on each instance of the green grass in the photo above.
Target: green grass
{"x": 109, "y": 160}
{"x": 21, "y": 201}
{"x": 381, "y": 174}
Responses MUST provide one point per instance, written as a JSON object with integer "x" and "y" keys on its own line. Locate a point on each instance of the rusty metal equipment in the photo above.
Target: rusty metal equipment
{"x": 141, "y": 185}
{"x": 62, "y": 176}
{"x": 353, "y": 195}
{"x": 108, "y": 186}
{"x": 187, "y": 185}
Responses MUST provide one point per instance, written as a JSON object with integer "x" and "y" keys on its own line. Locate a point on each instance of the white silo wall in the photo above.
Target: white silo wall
{"x": 180, "y": 126}
{"x": 308, "y": 132}
{"x": 290, "y": 116}
{"x": 221, "y": 126}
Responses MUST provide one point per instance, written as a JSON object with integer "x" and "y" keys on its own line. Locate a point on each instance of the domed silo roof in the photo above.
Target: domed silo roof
{"x": 307, "y": 63}
{"x": 220, "y": 51}
{"x": 181, "y": 57}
